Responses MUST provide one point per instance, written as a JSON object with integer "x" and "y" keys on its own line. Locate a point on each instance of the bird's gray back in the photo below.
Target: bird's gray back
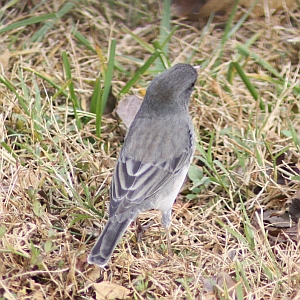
{"x": 168, "y": 138}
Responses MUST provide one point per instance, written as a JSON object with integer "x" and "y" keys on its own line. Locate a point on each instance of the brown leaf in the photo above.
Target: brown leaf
{"x": 93, "y": 275}
{"x": 216, "y": 284}
{"x": 278, "y": 226}
{"x": 110, "y": 103}
{"x": 127, "y": 109}
{"x": 209, "y": 296}
{"x": 294, "y": 210}
{"x": 291, "y": 233}
{"x": 276, "y": 219}
{"x": 279, "y": 176}
{"x": 109, "y": 290}
{"x": 4, "y": 59}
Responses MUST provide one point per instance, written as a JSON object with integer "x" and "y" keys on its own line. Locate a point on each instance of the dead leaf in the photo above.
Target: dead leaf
{"x": 36, "y": 288}
{"x": 294, "y": 210}
{"x": 128, "y": 108}
{"x": 110, "y": 103}
{"x": 276, "y": 219}
{"x": 278, "y": 225}
{"x": 109, "y": 290}
{"x": 37, "y": 295}
{"x": 31, "y": 177}
{"x": 291, "y": 167}
{"x": 291, "y": 233}
{"x": 209, "y": 296}
{"x": 216, "y": 284}
{"x": 4, "y": 59}
{"x": 93, "y": 275}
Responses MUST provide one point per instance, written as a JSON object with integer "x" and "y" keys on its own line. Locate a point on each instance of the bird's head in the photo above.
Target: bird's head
{"x": 171, "y": 90}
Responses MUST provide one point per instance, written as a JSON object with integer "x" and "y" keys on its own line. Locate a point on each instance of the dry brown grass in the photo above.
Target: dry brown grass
{"x": 57, "y": 173}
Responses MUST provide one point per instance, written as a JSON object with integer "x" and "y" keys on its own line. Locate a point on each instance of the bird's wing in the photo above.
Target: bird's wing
{"x": 135, "y": 181}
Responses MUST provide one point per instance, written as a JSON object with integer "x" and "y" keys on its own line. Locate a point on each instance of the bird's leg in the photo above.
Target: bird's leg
{"x": 139, "y": 230}
{"x": 169, "y": 241}
{"x": 166, "y": 222}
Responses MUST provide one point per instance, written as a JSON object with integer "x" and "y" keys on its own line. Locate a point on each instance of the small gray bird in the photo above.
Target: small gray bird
{"x": 154, "y": 159}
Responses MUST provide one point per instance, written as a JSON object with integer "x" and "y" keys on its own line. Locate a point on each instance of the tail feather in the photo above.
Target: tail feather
{"x": 106, "y": 243}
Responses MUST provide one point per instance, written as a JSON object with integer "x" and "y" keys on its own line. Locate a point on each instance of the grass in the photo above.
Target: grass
{"x": 58, "y": 151}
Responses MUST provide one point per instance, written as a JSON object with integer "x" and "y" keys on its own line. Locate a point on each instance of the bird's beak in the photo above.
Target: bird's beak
{"x": 197, "y": 67}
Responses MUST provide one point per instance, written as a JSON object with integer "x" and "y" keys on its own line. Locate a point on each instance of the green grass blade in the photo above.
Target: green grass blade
{"x": 144, "y": 44}
{"x": 294, "y": 135}
{"x": 107, "y": 85}
{"x": 65, "y": 9}
{"x": 9, "y": 150}
{"x": 234, "y": 233}
{"x": 81, "y": 38}
{"x": 246, "y": 80}
{"x": 164, "y": 42}
{"x": 240, "y": 277}
{"x": 36, "y": 110}
{"x": 51, "y": 82}
{"x": 241, "y": 21}
{"x": 27, "y": 22}
{"x": 11, "y": 87}
{"x": 73, "y": 97}
{"x": 163, "y": 57}
{"x": 165, "y": 26}
{"x": 109, "y": 73}
{"x": 163, "y": 34}
{"x": 204, "y": 33}
{"x": 164, "y": 63}
{"x": 227, "y": 32}
{"x": 67, "y": 69}
{"x": 245, "y": 51}
{"x": 38, "y": 35}
{"x": 96, "y": 96}
{"x": 97, "y": 105}
{"x": 230, "y": 73}
{"x": 139, "y": 72}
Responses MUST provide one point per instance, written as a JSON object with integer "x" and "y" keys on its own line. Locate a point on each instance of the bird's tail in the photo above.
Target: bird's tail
{"x": 106, "y": 243}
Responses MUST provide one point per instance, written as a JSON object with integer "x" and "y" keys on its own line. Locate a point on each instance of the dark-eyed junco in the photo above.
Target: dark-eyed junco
{"x": 154, "y": 159}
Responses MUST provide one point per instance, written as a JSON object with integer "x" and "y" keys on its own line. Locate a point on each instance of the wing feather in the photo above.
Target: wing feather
{"x": 129, "y": 191}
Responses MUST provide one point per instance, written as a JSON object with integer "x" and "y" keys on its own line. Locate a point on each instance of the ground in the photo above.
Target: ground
{"x": 234, "y": 230}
